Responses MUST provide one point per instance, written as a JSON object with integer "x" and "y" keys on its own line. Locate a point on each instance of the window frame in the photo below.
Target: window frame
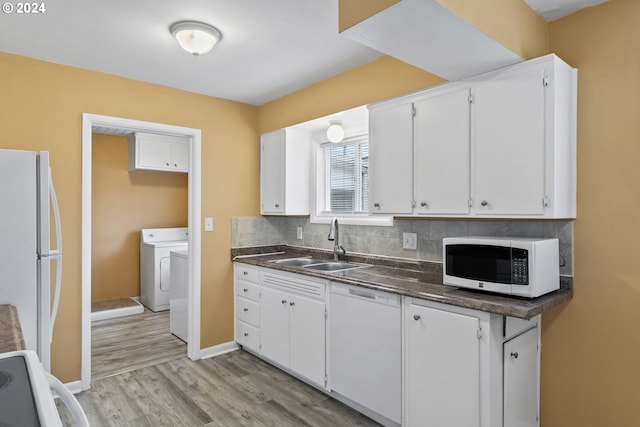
{"x": 319, "y": 187}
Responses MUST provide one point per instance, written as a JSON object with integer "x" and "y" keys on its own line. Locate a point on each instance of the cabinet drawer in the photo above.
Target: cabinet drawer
{"x": 247, "y": 336}
{"x": 248, "y": 274}
{"x": 248, "y": 290}
{"x": 248, "y": 311}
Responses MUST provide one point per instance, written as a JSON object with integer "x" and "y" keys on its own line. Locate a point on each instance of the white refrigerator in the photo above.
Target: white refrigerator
{"x": 26, "y": 199}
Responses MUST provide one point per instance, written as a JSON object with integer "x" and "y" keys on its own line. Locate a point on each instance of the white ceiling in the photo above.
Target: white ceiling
{"x": 269, "y": 48}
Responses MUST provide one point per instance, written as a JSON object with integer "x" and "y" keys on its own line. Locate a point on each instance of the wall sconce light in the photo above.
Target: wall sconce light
{"x": 197, "y": 38}
{"x": 335, "y": 132}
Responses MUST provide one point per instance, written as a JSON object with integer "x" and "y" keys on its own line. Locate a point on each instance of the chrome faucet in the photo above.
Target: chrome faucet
{"x": 334, "y": 235}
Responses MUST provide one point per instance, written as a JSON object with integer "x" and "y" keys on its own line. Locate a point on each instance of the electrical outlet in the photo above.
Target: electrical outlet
{"x": 208, "y": 224}
{"x": 410, "y": 241}
{"x": 299, "y": 233}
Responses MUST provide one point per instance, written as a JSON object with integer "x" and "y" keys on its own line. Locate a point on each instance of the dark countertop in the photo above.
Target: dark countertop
{"x": 414, "y": 278}
{"x": 10, "y": 332}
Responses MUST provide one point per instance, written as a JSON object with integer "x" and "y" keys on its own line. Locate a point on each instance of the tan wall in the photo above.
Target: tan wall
{"x": 591, "y": 347}
{"x": 41, "y": 106}
{"x": 351, "y": 12}
{"x": 123, "y": 203}
{"x": 383, "y": 78}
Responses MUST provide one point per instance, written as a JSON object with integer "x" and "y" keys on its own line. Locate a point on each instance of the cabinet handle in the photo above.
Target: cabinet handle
{"x": 514, "y": 354}
{"x": 424, "y": 204}
{"x": 416, "y": 317}
{"x": 277, "y": 205}
{"x": 376, "y": 205}
{"x": 246, "y": 334}
{"x": 284, "y": 301}
{"x": 291, "y": 304}
{"x": 484, "y": 203}
{"x": 175, "y": 165}
{"x": 245, "y": 310}
{"x": 167, "y": 164}
{"x": 245, "y": 290}
{"x": 245, "y": 273}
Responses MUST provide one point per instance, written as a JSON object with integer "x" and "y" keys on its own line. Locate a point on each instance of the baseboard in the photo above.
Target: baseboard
{"x": 218, "y": 350}
{"x": 116, "y": 312}
{"x": 74, "y": 387}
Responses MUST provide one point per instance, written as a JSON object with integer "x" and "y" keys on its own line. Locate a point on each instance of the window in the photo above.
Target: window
{"x": 346, "y": 177}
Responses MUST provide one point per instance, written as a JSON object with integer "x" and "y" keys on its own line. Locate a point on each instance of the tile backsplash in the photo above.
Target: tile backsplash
{"x": 387, "y": 241}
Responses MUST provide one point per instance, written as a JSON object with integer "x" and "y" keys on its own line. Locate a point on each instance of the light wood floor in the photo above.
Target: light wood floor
{"x": 235, "y": 389}
{"x": 142, "y": 377}
{"x": 127, "y": 343}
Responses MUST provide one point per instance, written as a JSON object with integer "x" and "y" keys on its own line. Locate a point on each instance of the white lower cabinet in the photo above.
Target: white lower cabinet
{"x": 522, "y": 380}
{"x": 247, "y": 300}
{"x": 443, "y": 368}
{"x": 457, "y": 366}
{"x": 293, "y": 324}
{"x": 465, "y": 367}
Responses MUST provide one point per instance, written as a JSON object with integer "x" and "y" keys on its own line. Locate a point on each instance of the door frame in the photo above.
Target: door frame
{"x": 114, "y": 125}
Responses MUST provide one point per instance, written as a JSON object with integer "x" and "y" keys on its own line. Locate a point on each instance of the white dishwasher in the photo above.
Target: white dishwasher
{"x": 365, "y": 348}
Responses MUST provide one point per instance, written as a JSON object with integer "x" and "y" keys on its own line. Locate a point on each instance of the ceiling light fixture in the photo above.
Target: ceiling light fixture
{"x": 335, "y": 132}
{"x": 197, "y": 38}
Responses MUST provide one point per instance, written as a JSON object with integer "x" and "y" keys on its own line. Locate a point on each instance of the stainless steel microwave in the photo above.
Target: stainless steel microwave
{"x": 527, "y": 267}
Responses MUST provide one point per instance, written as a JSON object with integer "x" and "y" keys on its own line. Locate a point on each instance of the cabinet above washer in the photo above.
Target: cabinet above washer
{"x": 167, "y": 153}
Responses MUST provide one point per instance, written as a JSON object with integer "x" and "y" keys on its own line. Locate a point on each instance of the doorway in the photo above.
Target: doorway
{"x": 118, "y": 126}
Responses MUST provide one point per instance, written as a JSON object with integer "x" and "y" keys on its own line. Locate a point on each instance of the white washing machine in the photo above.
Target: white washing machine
{"x": 156, "y": 245}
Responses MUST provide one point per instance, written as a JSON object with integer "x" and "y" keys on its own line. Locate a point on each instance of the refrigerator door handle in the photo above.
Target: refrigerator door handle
{"x": 55, "y": 254}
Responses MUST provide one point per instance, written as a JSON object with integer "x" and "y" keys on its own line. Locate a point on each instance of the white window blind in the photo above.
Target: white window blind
{"x": 347, "y": 177}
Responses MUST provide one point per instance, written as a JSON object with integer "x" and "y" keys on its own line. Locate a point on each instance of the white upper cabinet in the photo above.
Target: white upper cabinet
{"x": 524, "y": 148}
{"x": 498, "y": 145}
{"x": 149, "y": 151}
{"x": 390, "y": 151}
{"x": 284, "y": 173}
{"x": 509, "y": 164}
{"x": 441, "y": 154}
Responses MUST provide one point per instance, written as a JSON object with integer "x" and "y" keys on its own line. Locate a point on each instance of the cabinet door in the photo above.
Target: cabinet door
{"x": 307, "y": 339}
{"x": 443, "y": 369}
{"x": 521, "y": 387}
{"x": 508, "y": 159}
{"x": 153, "y": 152}
{"x": 441, "y": 159}
{"x": 180, "y": 155}
{"x": 274, "y": 325}
{"x": 272, "y": 174}
{"x": 391, "y": 153}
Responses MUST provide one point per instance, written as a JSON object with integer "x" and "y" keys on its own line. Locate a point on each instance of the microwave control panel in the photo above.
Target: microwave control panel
{"x": 520, "y": 266}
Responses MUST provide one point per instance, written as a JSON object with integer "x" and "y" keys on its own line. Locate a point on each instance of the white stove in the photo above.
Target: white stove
{"x": 26, "y": 397}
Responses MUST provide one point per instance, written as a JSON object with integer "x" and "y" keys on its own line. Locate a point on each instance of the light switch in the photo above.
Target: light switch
{"x": 208, "y": 224}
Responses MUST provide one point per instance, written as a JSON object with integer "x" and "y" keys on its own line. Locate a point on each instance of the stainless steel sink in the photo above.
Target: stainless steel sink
{"x": 318, "y": 264}
{"x": 299, "y": 262}
{"x": 334, "y": 266}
